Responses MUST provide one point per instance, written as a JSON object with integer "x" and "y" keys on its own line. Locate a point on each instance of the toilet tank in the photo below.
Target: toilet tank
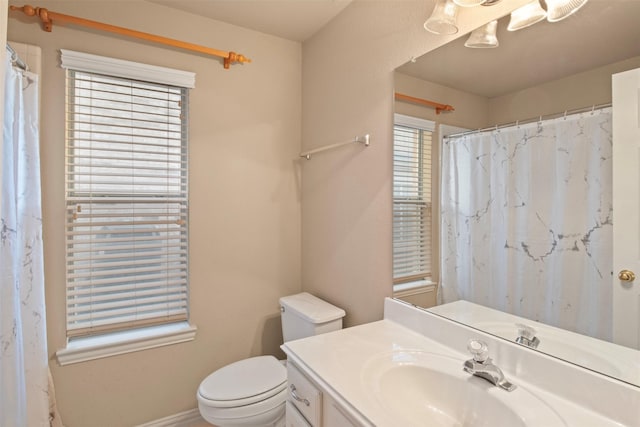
{"x": 304, "y": 315}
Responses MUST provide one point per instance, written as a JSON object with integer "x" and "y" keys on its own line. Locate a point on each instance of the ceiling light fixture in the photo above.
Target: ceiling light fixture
{"x": 557, "y": 10}
{"x": 526, "y": 16}
{"x": 484, "y": 37}
{"x": 443, "y": 18}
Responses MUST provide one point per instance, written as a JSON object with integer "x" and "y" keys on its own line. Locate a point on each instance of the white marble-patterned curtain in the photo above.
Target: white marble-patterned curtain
{"x": 527, "y": 221}
{"x": 23, "y": 348}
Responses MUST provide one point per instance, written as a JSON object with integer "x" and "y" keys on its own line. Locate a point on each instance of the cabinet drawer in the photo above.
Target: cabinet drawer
{"x": 304, "y": 395}
{"x": 293, "y": 417}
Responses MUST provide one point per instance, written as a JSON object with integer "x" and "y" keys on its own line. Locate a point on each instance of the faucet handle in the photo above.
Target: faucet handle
{"x": 526, "y": 331}
{"x": 478, "y": 350}
{"x": 527, "y": 336}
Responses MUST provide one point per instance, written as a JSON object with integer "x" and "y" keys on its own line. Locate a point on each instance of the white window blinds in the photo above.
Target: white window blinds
{"x": 127, "y": 203}
{"x": 411, "y": 203}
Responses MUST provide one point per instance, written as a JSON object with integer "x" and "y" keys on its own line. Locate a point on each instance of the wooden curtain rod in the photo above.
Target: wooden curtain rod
{"x": 439, "y": 107}
{"x": 47, "y": 17}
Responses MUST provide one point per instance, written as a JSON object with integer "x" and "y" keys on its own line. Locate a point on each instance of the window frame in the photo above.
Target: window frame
{"x": 430, "y": 278}
{"x": 104, "y": 344}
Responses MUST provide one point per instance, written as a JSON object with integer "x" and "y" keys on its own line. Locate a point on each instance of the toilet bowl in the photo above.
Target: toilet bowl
{"x": 252, "y": 392}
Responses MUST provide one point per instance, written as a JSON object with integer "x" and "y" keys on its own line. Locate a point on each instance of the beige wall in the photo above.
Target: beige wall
{"x": 346, "y": 197}
{"x": 471, "y": 111}
{"x": 424, "y": 297}
{"x": 244, "y": 215}
{"x": 577, "y": 91}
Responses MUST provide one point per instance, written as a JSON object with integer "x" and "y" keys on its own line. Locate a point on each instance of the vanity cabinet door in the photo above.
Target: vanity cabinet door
{"x": 293, "y": 417}
{"x": 333, "y": 415}
{"x": 304, "y": 395}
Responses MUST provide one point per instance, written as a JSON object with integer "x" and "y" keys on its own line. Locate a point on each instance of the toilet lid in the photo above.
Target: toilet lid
{"x": 256, "y": 376}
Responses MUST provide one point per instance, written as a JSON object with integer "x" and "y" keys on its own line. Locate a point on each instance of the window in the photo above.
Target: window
{"x": 126, "y": 195}
{"x": 412, "y": 203}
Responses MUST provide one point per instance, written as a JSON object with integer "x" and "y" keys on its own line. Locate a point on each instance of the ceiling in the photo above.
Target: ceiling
{"x": 290, "y": 19}
{"x": 600, "y": 33}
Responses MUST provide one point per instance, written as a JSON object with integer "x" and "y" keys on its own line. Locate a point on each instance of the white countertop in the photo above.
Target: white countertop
{"x": 336, "y": 360}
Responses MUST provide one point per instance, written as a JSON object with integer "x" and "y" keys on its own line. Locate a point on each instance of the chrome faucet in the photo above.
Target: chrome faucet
{"x": 527, "y": 336}
{"x": 482, "y": 366}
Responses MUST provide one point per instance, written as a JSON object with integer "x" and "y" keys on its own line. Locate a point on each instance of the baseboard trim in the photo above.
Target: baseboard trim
{"x": 182, "y": 419}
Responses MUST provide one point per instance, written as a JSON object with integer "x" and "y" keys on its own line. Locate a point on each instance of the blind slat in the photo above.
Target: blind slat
{"x": 125, "y": 302}
{"x": 119, "y": 280}
{"x": 89, "y": 291}
{"x": 125, "y": 269}
{"x": 134, "y": 309}
{"x": 129, "y": 252}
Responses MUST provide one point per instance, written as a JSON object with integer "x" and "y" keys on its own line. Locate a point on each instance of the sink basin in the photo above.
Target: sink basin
{"x": 417, "y": 388}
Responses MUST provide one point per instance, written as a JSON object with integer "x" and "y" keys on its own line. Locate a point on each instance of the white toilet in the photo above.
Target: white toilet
{"x": 252, "y": 392}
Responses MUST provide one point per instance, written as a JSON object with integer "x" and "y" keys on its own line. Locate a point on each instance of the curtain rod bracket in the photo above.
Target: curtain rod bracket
{"x": 232, "y": 58}
{"x": 40, "y": 12}
{"x": 47, "y": 17}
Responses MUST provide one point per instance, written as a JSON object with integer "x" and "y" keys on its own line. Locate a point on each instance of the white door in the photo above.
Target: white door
{"x": 626, "y": 208}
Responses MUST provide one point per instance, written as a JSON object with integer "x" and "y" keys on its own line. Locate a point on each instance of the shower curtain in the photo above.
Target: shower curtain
{"x": 23, "y": 348}
{"x": 527, "y": 221}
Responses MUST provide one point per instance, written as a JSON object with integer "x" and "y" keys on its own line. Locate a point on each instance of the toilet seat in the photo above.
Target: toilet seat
{"x": 245, "y": 382}
{"x": 257, "y": 414}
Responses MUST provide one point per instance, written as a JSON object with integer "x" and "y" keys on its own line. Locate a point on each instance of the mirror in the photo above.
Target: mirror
{"x": 542, "y": 70}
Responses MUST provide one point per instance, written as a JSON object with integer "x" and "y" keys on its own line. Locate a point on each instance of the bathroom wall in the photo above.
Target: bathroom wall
{"x": 471, "y": 111}
{"x": 580, "y": 90}
{"x": 348, "y": 90}
{"x": 244, "y": 214}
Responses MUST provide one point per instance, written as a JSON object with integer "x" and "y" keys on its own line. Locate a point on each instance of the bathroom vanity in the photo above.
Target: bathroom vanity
{"x": 407, "y": 369}
{"x": 310, "y": 403}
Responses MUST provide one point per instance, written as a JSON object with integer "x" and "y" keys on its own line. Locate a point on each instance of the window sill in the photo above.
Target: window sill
{"x": 91, "y": 348}
{"x": 411, "y": 288}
